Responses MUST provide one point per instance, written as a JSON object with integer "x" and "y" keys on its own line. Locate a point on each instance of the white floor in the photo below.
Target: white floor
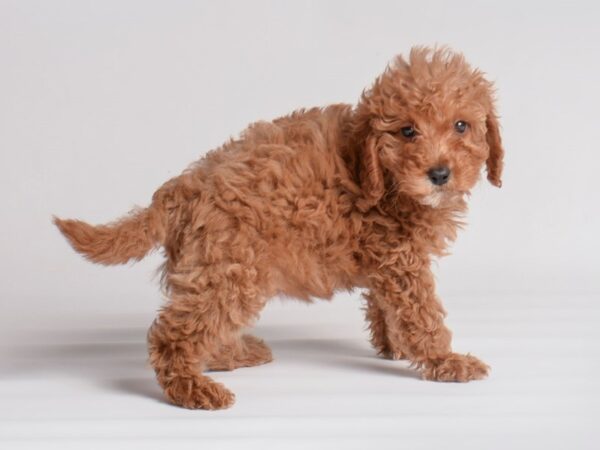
{"x": 81, "y": 381}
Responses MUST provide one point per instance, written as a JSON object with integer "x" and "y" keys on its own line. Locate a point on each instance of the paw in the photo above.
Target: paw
{"x": 456, "y": 367}
{"x": 247, "y": 352}
{"x": 256, "y": 352}
{"x": 394, "y": 356}
{"x": 198, "y": 393}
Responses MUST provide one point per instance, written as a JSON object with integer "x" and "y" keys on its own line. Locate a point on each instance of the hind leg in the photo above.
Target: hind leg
{"x": 206, "y": 312}
{"x": 245, "y": 351}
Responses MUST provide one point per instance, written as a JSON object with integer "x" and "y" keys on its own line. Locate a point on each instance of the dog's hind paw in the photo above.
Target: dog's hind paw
{"x": 199, "y": 393}
{"x": 456, "y": 367}
{"x": 394, "y": 356}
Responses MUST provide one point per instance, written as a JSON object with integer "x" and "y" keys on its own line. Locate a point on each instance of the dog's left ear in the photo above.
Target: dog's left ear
{"x": 495, "y": 159}
{"x": 370, "y": 174}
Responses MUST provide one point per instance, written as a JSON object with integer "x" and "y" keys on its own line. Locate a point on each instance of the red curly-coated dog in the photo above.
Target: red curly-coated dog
{"x": 319, "y": 200}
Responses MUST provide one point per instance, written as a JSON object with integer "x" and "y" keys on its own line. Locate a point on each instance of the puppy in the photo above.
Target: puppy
{"x": 321, "y": 200}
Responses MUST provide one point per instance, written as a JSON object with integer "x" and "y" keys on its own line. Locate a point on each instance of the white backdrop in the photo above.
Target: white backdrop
{"x": 103, "y": 101}
{"x": 100, "y": 102}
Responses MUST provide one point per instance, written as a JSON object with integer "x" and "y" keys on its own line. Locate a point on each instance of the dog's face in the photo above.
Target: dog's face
{"x": 429, "y": 127}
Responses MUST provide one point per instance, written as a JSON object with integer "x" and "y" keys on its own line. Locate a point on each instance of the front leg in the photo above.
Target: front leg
{"x": 379, "y": 330}
{"x": 414, "y": 323}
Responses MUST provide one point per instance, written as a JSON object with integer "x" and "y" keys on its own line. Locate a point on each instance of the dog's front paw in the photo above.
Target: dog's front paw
{"x": 456, "y": 367}
{"x": 198, "y": 393}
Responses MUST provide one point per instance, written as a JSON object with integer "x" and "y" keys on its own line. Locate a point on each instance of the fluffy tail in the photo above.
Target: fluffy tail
{"x": 130, "y": 238}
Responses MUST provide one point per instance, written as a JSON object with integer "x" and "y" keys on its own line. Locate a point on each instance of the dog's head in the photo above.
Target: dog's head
{"x": 427, "y": 127}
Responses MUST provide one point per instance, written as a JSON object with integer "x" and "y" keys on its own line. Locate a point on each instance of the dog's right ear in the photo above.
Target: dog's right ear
{"x": 495, "y": 159}
{"x": 370, "y": 174}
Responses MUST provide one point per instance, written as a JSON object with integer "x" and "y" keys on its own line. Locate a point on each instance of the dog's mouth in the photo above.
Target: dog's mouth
{"x": 434, "y": 199}
{"x": 440, "y": 196}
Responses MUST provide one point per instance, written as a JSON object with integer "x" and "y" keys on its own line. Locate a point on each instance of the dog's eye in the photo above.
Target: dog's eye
{"x": 461, "y": 126}
{"x": 408, "y": 132}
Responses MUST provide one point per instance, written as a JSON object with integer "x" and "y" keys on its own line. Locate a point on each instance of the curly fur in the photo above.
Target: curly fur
{"x": 317, "y": 201}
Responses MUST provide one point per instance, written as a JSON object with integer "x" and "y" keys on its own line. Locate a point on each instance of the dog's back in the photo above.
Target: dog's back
{"x": 278, "y": 176}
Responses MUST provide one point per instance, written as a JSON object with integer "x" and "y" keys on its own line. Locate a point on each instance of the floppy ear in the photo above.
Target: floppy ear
{"x": 370, "y": 174}
{"x": 494, "y": 162}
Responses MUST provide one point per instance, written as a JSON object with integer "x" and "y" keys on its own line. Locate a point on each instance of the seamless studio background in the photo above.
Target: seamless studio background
{"x": 101, "y": 102}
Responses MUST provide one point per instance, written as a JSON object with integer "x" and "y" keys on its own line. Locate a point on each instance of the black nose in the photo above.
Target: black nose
{"x": 439, "y": 175}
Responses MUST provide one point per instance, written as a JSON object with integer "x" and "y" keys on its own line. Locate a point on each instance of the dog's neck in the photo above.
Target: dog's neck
{"x": 435, "y": 227}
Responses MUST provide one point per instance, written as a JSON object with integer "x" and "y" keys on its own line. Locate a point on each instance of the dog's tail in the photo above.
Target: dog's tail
{"x": 130, "y": 238}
